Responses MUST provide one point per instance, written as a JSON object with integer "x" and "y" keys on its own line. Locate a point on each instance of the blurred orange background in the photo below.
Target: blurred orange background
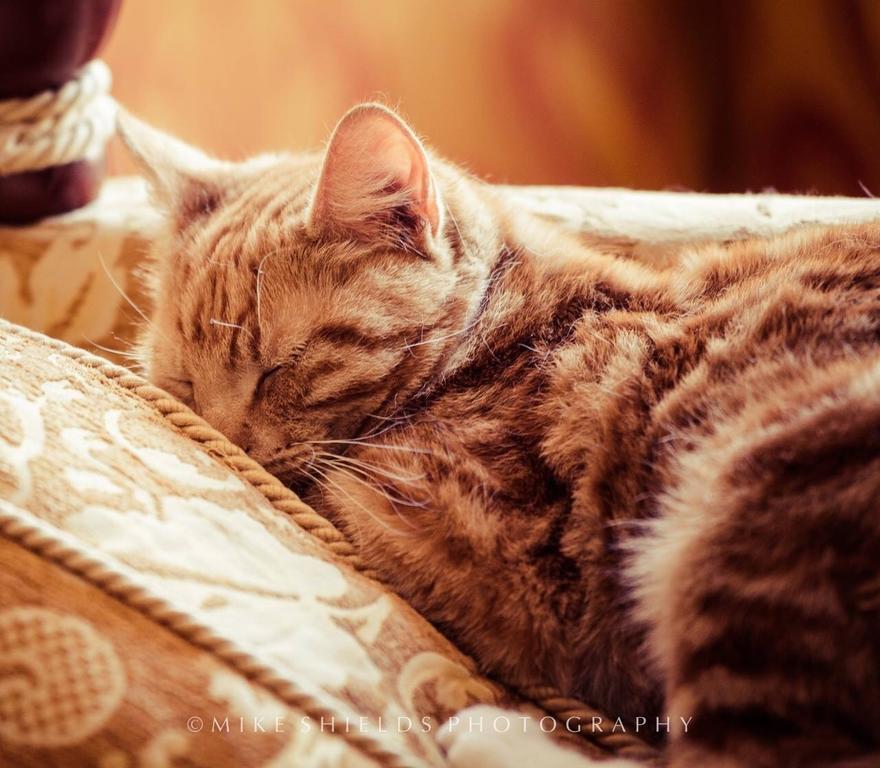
{"x": 723, "y": 95}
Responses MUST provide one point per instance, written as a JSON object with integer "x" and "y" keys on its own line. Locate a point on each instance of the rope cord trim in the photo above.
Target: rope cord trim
{"x": 283, "y": 499}
{"x": 58, "y": 127}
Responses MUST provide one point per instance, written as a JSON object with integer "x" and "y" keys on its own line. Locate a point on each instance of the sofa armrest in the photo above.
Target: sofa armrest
{"x": 77, "y": 277}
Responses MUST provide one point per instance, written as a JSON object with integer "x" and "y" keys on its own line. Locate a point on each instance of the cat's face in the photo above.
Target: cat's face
{"x": 300, "y": 298}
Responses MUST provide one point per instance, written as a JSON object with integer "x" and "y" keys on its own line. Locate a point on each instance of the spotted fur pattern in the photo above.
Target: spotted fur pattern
{"x": 653, "y": 485}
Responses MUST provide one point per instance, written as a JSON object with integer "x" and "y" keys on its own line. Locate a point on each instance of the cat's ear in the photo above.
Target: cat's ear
{"x": 376, "y": 179}
{"x": 184, "y": 179}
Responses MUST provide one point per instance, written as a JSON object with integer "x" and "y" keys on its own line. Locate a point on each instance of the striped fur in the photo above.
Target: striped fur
{"x": 654, "y": 485}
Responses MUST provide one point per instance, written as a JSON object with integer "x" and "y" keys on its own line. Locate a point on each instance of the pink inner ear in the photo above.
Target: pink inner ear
{"x": 370, "y": 151}
{"x": 399, "y": 158}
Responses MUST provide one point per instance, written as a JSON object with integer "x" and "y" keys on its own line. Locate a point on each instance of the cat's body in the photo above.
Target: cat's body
{"x": 728, "y": 399}
{"x": 657, "y": 489}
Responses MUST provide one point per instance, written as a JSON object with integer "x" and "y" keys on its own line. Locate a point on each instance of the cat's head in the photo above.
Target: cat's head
{"x": 300, "y": 298}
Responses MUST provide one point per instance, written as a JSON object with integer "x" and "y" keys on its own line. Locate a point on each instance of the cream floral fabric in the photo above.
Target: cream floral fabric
{"x": 77, "y": 277}
{"x": 94, "y": 470}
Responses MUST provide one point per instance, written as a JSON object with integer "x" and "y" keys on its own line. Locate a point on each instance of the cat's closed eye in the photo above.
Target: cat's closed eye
{"x": 182, "y": 389}
{"x": 268, "y": 375}
{"x": 294, "y": 357}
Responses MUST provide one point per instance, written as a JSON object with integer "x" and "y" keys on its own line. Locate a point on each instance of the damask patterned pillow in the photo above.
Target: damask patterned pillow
{"x": 162, "y": 598}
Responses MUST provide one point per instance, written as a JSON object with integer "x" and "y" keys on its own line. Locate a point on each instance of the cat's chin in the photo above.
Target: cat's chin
{"x": 302, "y": 486}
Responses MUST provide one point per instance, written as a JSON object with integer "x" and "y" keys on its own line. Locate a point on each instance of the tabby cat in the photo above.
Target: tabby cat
{"x": 654, "y": 486}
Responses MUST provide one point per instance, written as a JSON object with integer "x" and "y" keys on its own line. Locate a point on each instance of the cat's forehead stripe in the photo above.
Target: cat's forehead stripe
{"x": 228, "y": 256}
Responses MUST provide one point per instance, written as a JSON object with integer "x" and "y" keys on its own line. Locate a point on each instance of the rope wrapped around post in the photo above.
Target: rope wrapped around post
{"x": 58, "y": 127}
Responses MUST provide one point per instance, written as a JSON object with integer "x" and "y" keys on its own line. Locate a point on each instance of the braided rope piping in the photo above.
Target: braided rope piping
{"x": 283, "y": 499}
{"x": 58, "y": 127}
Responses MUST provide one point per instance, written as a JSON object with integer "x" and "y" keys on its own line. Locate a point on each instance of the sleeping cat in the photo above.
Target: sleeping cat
{"x": 656, "y": 488}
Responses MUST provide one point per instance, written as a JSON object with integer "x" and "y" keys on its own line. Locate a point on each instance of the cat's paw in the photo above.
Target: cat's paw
{"x": 489, "y": 737}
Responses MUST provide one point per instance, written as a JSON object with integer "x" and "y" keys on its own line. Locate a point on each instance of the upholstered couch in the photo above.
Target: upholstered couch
{"x": 162, "y": 598}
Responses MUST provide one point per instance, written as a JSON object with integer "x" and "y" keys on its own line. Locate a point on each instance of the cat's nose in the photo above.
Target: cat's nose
{"x": 244, "y": 439}
{"x": 232, "y": 428}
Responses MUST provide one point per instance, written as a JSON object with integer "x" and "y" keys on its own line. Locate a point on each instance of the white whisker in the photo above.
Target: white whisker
{"x": 367, "y": 466}
{"x": 125, "y": 296}
{"x": 393, "y": 423}
{"x": 215, "y": 321}
{"x": 260, "y": 274}
{"x": 358, "y": 443}
{"x": 322, "y": 484}
{"x": 349, "y": 472}
{"x": 126, "y": 353}
{"x": 323, "y": 473}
